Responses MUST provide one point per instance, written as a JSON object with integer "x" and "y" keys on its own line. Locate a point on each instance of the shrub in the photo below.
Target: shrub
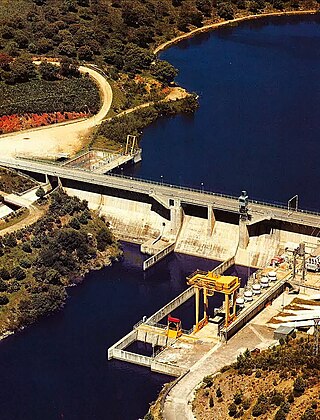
{"x": 309, "y": 414}
{"x": 258, "y": 374}
{"x": 208, "y": 381}
{"x": 232, "y": 409}
{"x": 5, "y": 274}
{"x": 25, "y": 263}
{"x": 26, "y": 247}
{"x": 280, "y": 415}
{"x": 3, "y": 286}
{"x": 290, "y": 398}
{"x": 211, "y": 402}
{"x": 237, "y": 398}
{"x": 299, "y": 385}
{"x": 18, "y": 273}
{"x": 218, "y": 393}
{"x": 3, "y": 300}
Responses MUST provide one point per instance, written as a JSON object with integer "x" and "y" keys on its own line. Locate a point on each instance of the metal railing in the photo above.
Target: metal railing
{"x": 177, "y": 187}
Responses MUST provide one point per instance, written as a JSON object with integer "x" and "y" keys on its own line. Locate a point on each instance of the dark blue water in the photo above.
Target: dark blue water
{"x": 57, "y": 368}
{"x": 258, "y": 123}
{"x": 256, "y": 129}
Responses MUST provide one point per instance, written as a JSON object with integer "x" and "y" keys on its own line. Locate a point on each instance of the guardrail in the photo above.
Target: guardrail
{"x": 158, "y": 256}
{"x": 178, "y": 187}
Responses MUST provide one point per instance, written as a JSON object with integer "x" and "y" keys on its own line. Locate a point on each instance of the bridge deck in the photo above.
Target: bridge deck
{"x": 258, "y": 210}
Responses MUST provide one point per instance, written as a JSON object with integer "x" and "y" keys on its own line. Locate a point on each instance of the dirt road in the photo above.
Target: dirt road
{"x": 60, "y": 138}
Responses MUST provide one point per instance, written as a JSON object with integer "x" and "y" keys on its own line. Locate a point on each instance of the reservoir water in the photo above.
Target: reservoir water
{"x": 257, "y": 127}
{"x": 57, "y": 368}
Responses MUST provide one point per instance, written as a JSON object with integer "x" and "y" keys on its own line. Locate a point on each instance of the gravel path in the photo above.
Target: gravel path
{"x": 46, "y": 142}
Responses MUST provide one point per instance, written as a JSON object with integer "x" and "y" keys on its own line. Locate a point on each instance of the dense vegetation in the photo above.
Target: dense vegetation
{"x": 279, "y": 383}
{"x": 11, "y": 182}
{"x": 118, "y": 35}
{"x": 38, "y": 262}
{"x": 45, "y": 89}
{"x": 118, "y": 32}
{"x": 117, "y": 129}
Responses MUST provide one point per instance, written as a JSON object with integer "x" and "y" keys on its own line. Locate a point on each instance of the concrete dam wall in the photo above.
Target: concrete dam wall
{"x": 199, "y": 231}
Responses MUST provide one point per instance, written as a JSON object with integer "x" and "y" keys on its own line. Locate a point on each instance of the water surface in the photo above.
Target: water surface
{"x": 258, "y": 123}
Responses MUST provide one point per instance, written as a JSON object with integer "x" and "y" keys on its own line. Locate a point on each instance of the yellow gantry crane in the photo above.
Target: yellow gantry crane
{"x": 212, "y": 283}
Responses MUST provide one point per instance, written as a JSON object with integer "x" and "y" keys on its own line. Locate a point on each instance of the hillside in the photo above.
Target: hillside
{"x": 279, "y": 383}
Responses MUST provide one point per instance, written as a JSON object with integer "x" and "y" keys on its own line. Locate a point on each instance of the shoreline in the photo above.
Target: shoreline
{"x": 213, "y": 26}
{"x": 103, "y": 260}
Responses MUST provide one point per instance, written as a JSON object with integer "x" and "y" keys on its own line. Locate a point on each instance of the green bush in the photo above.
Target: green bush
{"x": 18, "y": 273}
{"x": 309, "y": 414}
{"x": 5, "y": 274}
{"x": 25, "y": 263}
{"x": 299, "y": 385}
{"x": 208, "y": 382}
{"x": 3, "y": 300}
{"x": 232, "y": 409}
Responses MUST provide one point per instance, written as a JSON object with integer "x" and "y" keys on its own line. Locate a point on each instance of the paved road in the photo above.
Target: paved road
{"x": 163, "y": 192}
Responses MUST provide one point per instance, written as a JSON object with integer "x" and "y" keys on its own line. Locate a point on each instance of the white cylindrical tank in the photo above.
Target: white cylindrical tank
{"x": 248, "y": 296}
{"x": 240, "y": 302}
{"x": 256, "y": 288}
{"x": 264, "y": 282}
{"x": 272, "y": 276}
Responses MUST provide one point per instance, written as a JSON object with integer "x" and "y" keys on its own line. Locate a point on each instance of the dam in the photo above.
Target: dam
{"x": 164, "y": 218}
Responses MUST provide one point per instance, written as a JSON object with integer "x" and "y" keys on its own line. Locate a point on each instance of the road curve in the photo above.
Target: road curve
{"x": 46, "y": 142}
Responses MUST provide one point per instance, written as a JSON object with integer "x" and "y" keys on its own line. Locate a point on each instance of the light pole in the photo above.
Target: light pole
{"x": 161, "y": 177}
{"x": 121, "y": 171}
{"x": 202, "y": 187}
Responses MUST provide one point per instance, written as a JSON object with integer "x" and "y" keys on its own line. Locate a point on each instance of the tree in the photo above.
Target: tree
{"x": 49, "y": 72}
{"x": 164, "y": 71}
{"x": 74, "y": 223}
{"x": 68, "y": 68}
{"x": 280, "y": 415}
{"x": 10, "y": 240}
{"x": 299, "y": 385}
{"x": 22, "y": 69}
{"x": 67, "y": 48}
{"x": 19, "y": 273}
{"x": 40, "y": 192}
{"x": 3, "y": 300}
{"x": 85, "y": 53}
{"x": 5, "y": 60}
{"x": 225, "y": 10}
{"x": 232, "y": 409}
{"x": 5, "y": 274}
{"x": 3, "y": 286}
{"x": 309, "y": 414}
{"x": 205, "y": 6}
{"x": 26, "y": 247}
{"x": 104, "y": 238}
{"x": 25, "y": 263}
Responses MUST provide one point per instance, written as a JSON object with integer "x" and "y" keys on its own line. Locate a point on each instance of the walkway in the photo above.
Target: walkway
{"x": 178, "y": 403}
{"x": 258, "y": 210}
